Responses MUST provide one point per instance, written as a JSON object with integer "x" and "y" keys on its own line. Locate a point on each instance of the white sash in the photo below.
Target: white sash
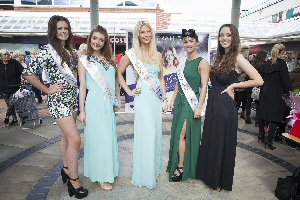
{"x": 99, "y": 78}
{"x": 66, "y": 71}
{"x": 147, "y": 78}
{"x": 187, "y": 90}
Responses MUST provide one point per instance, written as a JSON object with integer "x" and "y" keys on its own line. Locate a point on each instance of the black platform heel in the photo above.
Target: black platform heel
{"x": 79, "y": 193}
{"x": 64, "y": 175}
{"x": 177, "y": 177}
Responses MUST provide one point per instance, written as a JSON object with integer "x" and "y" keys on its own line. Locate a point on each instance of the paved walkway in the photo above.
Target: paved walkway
{"x": 30, "y": 164}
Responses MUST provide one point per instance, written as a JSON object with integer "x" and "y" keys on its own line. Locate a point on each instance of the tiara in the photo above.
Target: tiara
{"x": 143, "y": 21}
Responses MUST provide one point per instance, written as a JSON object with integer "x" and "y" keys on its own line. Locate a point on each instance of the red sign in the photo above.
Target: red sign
{"x": 254, "y": 49}
{"x": 79, "y": 40}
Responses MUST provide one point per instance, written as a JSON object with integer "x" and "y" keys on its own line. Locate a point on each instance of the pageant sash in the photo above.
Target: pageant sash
{"x": 99, "y": 78}
{"x": 66, "y": 71}
{"x": 147, "y": 78}
{"x": 187, "y": 90}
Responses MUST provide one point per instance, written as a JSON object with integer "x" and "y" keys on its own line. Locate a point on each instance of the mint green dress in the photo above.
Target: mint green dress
{"x": 100, "y": 138}
{"x": 183, "y": 112}
{"x": 147, "y": 159}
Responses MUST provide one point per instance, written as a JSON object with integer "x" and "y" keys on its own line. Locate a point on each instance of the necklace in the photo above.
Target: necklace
{"x": 103, "y": 62}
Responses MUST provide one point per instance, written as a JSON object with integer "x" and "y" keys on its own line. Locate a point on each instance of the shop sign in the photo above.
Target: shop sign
{"x": 117, "y": 40}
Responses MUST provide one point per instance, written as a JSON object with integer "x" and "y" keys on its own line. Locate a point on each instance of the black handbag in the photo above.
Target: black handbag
{"x": 288, "y": 188}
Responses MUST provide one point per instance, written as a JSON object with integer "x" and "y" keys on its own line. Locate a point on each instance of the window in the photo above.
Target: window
{"x": 28, "y": 2}
{"x": 44, "y": 2}
{"x": 77, "y": 2}
{"x": 6, "y": 2}
{"x": 61, "y": 2}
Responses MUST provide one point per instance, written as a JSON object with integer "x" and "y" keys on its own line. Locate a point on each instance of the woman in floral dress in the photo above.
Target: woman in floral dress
{"x": 59, "y": 63}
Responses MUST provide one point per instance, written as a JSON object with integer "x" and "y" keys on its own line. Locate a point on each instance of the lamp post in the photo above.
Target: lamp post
{"x": 235, "y": 12}
{"x": 94, "y": 13}
{"x": 114, "y": 42}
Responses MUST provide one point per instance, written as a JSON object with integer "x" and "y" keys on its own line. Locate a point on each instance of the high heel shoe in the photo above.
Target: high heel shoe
{"x": 64, "y": 175}
{"x": 256, "y": 124}
{"x": 79, "y": 193}
{"x": 270, "y": 145}
{"x": 260, "y": 138}
{"x": 177, "y": 177}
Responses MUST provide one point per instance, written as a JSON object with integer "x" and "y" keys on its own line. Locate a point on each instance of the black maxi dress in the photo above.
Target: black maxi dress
{"x": 217, "y": 151}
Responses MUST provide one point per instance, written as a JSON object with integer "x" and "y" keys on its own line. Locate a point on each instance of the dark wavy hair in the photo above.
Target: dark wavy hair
{"x": 226, "y": 64}
{"x": 259, "y": 59}
{"x": 56, "y": 43}
{"x": 165, "y": 60}
{"x": 106, "y": 50}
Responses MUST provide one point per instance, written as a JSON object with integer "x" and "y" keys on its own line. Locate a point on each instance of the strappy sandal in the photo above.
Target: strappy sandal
{"x": 105, "y": 186}
{"x": 177, "y": 177}
{"x": 64, "y": 175}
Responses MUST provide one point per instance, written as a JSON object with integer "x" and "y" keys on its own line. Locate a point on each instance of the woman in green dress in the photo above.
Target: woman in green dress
{"x": 187, "y": 103}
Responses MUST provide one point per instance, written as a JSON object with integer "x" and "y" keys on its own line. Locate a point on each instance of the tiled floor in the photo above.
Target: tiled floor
{"x": 30, "y": 159}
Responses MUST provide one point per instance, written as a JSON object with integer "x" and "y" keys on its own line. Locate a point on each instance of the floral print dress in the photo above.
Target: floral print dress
{"x": 60, "y": 104}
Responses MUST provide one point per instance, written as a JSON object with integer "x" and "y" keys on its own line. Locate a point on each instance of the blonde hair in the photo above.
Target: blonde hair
{"x": 17, "y": 53}
{"x": 244, "y": 48}
{"x": 153, "y": 54}
{"x": 276, "y": 50}
{"x": 82, "y": 50}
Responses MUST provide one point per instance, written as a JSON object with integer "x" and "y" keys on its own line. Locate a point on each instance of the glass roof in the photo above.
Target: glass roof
{"x": 31, "y": 25}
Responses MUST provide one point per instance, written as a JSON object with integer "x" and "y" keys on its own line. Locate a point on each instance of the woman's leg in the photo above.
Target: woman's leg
{"x": 181, "y": 147}
{"x": 244, "y": 101}
{"x": 69, "y": 146}
{"x": 248, "y": 105}
{"x": 271, "y": 133}
{"x": 63, "y": 146}
{"x": 261, "y": 127}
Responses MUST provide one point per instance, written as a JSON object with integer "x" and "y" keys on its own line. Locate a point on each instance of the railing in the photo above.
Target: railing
{"x": 259, "y": 7}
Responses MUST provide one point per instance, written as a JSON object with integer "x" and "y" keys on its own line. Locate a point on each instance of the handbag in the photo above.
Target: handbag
{"x": 255, "y": 93}
{"x": 288, "y": 188}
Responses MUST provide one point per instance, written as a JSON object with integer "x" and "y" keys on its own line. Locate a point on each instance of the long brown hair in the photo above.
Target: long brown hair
{"x": 259, "y": 59}
{"x": 225, "y": 62}
{"x": 106, "y": 50}
{"x": 56, "y": 43}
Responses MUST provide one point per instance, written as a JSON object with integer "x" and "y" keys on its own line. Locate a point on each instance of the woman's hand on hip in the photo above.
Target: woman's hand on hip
{"x": 135, "y": 92}
{"x": 57, "y": 87}
{"x": 230, "y": 91}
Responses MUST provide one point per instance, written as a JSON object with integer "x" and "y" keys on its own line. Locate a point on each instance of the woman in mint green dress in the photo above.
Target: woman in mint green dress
{"x": 97, "y": 112}
{"x": 149, "y": 103}
{"x": 187, "y": 103}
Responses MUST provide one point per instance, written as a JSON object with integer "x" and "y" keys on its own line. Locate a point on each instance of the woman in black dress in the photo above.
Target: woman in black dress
{"x": 272, "y": 108}
{"x": 219, "y": 138}
{"x": 258, "y": 61}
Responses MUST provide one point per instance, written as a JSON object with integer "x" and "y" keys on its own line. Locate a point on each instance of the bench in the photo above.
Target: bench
{"x": 292, "y": 138}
